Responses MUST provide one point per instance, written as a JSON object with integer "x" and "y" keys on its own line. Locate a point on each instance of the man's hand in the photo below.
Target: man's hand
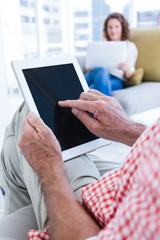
{"x": 39, "y": 145}
{"x": 41, "y": 149}
{"x": 109, "y": 121}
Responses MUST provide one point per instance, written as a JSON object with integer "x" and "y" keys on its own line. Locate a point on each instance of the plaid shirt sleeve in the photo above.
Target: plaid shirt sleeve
{"x": 126, "y": 202}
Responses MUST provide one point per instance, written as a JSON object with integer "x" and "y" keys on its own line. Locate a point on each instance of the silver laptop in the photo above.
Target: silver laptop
{"x": 106, "y": 54}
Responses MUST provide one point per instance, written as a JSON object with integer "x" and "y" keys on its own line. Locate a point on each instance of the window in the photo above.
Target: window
{"x": 33, "y": 19}
{"x": 46, "y": 8}
{"x": 55, "y": 10}
{"x": 32, "y": 4}
{"x": 56, "y": 22}
{"x": 25, "y": 19}
{"x": 81, "y": 25}
{"x": 24, "y": 3}
{"x": 148, "y": 18}
{"x": 82, "y": 37}
{"x": 81, "y": 14}
{"x": 46, "y": 21}
{"x": 80, "y": 49}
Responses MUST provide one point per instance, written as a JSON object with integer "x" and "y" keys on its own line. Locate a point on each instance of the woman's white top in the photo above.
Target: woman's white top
{"x": 132, "y": 54}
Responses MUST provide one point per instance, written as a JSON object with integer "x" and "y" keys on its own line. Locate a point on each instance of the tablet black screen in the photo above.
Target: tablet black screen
{"x": 50, "y": 84}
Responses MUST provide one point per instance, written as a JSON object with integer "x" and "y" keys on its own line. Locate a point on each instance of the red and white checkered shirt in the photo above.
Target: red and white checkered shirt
{"x": 126, "y": 202}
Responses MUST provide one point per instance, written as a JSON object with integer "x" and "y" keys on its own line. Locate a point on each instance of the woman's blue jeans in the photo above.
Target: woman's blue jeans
{"x": 101, "y": 80}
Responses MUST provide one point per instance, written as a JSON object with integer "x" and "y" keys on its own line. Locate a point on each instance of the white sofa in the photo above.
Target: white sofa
{"x": 138, "y": 98}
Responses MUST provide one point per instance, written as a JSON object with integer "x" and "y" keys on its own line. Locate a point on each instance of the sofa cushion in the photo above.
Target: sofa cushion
{"x": 147, "y": 42}
{"x": 139, "y": 98}
{"x": 136, "y": 78}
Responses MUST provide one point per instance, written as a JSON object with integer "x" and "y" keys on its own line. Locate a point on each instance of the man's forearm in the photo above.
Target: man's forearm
{"x": 67, "y": 218}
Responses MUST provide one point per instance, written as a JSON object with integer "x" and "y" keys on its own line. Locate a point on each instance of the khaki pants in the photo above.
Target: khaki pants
{"x": 21, "y": 183}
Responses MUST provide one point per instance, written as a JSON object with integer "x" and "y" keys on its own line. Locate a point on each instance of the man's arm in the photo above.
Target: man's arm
{"x": 108, "y": 120}
{"x": 67, "y": 218}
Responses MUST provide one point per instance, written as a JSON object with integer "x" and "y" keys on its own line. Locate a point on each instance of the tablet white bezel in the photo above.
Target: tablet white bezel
{"x": 19, "y": 65}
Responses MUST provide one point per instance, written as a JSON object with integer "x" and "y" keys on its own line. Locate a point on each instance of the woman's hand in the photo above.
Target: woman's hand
{"x": 123, "y": 66}
{"x": 126, "y": 69}
{"x": 85, "y": 70}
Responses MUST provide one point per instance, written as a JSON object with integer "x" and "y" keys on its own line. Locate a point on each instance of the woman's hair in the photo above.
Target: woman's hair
{"x": 124, "y": 23}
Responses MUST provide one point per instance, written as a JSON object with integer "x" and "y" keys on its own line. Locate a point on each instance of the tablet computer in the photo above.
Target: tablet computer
{"x": 46, "y": 81}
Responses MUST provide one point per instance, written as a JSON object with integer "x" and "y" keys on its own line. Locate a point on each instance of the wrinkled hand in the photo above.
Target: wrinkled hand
{"x": 109, "y": 121}
{"x": 38, "y": 144}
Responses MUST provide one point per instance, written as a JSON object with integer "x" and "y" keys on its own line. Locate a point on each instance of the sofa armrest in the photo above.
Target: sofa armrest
{"x": 139, "y": 98}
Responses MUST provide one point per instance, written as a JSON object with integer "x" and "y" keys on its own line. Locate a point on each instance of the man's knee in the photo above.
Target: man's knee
{"x": 10, "y": 150}
{"x": 9, "y": 156}
{"x": 10, "y": 153}
{"x": 81, "y": 171}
